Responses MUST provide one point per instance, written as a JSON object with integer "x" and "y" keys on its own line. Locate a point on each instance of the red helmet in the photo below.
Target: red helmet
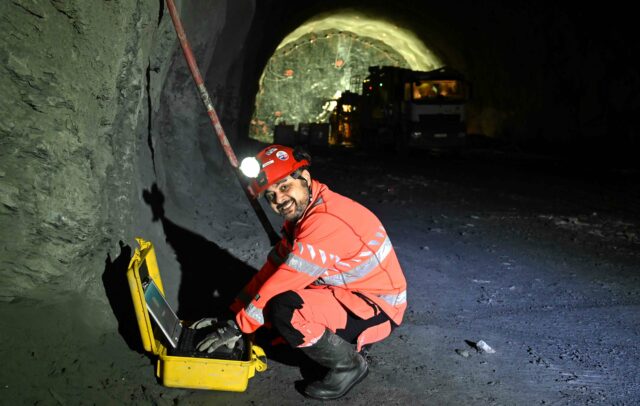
{"x": 272, "y": 164}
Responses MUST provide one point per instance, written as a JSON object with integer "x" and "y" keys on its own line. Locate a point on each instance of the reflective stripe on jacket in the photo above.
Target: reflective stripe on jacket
{"x": 338, "y": 245}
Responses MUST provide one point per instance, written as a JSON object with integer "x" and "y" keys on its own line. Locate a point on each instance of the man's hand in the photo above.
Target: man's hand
{"x": 224, "y": 333}
{"x": 203, "y": 323}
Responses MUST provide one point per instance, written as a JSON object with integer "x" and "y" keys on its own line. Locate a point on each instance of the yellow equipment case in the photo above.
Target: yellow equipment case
{"x": 180, "y": 371}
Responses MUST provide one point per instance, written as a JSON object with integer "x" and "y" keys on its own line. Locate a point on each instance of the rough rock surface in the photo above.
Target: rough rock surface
{"x": 73, "y": 84}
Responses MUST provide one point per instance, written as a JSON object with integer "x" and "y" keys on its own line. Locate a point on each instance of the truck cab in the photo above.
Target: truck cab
{"x": 434, "y": 104}
{"x": 414, "y": 109}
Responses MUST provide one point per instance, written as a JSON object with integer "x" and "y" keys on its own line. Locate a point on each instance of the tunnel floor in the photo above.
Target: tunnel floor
{"x": 536, "y": 259}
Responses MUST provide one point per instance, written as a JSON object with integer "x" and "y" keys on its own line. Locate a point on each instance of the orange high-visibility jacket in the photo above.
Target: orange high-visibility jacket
{"x": 338, "y": 245}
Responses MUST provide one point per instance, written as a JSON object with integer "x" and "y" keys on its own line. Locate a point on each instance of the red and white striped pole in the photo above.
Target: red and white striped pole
{"x": 206, "y": 100}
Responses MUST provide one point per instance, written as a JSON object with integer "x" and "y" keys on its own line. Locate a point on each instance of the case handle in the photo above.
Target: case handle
{"x": 259, "y": 358}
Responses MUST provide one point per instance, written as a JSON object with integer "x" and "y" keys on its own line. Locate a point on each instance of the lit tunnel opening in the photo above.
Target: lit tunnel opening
{"x": 323, "y": 58}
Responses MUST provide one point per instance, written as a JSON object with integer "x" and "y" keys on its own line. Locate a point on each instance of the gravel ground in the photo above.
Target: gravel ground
{"x": 535, "y": 258}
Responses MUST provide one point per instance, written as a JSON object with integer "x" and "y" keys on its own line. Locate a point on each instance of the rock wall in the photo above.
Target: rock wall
{"x": 199, "y": 192}
{"x": 99, "y": 110}
{"x": 73, "y": 88}
{"x": 104, "y": 139}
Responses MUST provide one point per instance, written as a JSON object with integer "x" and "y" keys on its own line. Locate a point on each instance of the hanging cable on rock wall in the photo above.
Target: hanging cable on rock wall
{"x": 206, "y": 100}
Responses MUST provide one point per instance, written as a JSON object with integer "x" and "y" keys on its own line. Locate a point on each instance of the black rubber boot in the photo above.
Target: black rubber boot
{"x": 346, "y": 367}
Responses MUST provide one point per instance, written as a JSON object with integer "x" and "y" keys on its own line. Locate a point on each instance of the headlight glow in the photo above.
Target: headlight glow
{"x": 250, "y": 167}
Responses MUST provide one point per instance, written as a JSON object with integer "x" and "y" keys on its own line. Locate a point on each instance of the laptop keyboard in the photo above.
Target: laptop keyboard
{"x": 191, "y": 337}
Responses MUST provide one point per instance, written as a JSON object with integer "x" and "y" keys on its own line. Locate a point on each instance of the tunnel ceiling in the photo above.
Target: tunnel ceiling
{"x": 322, "y": 58}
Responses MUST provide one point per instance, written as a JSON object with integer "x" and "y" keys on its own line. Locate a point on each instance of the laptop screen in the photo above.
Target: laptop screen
{"x": 161, "y": 312}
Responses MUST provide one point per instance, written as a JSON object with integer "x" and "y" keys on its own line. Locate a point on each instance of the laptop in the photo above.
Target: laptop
{"x": 182, "y": 340}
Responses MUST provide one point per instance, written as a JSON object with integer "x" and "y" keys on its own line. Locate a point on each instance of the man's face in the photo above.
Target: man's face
{"x": 290, "y": 197}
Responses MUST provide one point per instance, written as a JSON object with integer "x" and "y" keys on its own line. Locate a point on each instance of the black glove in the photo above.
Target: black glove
{"x": 224, "y": 333}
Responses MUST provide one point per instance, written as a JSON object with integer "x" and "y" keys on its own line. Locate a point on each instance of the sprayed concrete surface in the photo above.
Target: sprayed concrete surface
{"x": 542, "y": 265}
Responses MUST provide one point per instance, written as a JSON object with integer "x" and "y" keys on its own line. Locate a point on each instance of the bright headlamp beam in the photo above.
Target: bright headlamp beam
{"x": 250, "y": 167}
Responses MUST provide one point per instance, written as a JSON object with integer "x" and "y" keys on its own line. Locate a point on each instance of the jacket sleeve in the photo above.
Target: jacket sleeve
{"x": 274, "y": 260}
{"x": 308, "y": 259}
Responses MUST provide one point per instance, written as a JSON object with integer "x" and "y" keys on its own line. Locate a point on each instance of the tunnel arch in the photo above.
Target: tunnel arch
{"x": 299, "y": 83}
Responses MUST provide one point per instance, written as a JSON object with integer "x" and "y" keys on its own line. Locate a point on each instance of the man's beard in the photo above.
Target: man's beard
{"x": 289, "y": 215}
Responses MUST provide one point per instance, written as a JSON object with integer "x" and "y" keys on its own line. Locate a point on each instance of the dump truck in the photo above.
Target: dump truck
{"x": 405, "y": 109}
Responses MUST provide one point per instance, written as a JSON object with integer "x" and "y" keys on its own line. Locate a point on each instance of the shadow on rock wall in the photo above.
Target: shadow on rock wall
{"x": 116, "y": 288}
{"x": 211, "y": 277}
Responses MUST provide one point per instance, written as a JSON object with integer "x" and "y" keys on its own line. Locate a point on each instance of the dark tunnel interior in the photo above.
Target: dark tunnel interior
{"x": 523, "y": 231}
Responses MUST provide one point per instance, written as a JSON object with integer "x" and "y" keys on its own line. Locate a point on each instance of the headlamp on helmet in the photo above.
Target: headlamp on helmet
{"x": 272, "y": 164}
{"x": 250, "y": 167}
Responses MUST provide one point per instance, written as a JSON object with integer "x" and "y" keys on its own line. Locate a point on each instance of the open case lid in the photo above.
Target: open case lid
{"x": 143, "y": 264}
